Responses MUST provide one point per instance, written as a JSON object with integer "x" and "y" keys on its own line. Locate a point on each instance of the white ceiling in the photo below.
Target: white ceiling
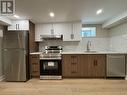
{"x": 70, "y": 10}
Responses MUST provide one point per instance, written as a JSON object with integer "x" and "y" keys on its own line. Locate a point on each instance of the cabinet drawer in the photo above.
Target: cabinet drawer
{"x": 34, "y": 61}
{"x": 35, "y": 74}
{"x": 34, "y": 56}
{"x": 74, "y": 59}
{"x": 35, "y": 70}
{"x": 72, "y": 73}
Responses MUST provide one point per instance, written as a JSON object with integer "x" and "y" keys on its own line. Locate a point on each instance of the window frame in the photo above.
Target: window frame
{"x": 90, "y": 35}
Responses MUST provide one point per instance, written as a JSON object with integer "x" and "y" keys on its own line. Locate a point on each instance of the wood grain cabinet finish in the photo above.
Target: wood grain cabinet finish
{"x": 71, "y": 66}
{"x": 33, "y": 46}
{"x": 96, "y": 66}
{"x": 34, "y": 62}
{"x": 83, "y": 66}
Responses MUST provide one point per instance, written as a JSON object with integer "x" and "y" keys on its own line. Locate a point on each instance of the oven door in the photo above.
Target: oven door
{"x": 50, "y": 67}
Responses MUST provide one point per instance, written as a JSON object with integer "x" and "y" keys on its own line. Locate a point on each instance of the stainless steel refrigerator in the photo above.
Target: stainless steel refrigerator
{"x": 16, "y": 55}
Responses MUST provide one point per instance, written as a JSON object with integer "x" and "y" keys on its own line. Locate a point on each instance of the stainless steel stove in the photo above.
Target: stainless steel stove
{"x": 50, "y": 63}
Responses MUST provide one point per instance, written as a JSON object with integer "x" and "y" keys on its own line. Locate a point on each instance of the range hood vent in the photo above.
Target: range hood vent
{"x": 51, "y": 37}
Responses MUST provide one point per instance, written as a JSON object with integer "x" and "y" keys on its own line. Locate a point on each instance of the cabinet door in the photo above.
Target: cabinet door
{"x": 84, "y": 65}
{"x": 34, "y": 62}
{"x": 59, "y": 28}
{"x": 70, "y": 66}
{"x": 67, "y": 31}
{"x": 13, "y": 26}
{"x": 38, "y": 31}
{"x": 23, "y": 25}
{"x": 42, "y": 29}
{"x": 72, "y": 32}
{"x": 35, "y": 70}
{"x": 19, "y": 25}
{"x": 97, "y": 66}
{"x": 77, "y": 31}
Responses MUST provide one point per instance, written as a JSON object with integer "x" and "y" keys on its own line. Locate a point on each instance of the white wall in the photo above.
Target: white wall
{"x": 118, "y": 38}
{"x": 100, "y": 42}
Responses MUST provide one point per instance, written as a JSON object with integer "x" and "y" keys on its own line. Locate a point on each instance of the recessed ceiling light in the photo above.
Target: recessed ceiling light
{"x": 51, "y": 14}
{"x": 99, "y": 11}
{"x": 16, "y": 16}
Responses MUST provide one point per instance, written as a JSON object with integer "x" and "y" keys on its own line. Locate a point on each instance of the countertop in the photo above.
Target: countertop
{"x": 86, "y": 52}
{"x": 95, "y": 52}
{"x": 36, "y": 53}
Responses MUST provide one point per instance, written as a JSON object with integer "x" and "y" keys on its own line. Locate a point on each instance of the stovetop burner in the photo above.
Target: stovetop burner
{"x": 52, "y": 52}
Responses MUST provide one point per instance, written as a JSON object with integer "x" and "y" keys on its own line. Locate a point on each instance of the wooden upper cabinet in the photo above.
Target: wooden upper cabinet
{"x": 96, "y": 67}
{"x": 19, "y": 25}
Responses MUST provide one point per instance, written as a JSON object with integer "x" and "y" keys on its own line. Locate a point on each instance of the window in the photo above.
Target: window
{"x": 88, "y": 32}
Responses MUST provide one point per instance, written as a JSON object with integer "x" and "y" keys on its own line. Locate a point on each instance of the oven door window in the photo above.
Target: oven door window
{"x": 51, "y": 65}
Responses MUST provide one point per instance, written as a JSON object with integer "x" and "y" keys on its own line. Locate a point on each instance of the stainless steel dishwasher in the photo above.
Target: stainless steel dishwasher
{"x": 116, "y": 65}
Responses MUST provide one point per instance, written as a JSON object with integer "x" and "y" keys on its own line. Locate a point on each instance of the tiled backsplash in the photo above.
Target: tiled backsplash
{"x": 98, "y": 44}
{"x": 118, "y": 38}
{"x": 118, "y": 43}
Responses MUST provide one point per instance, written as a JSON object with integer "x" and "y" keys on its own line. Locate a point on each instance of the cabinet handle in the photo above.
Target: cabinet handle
{"x": 73, "y": 72}
{"x": 73, "y": 63}
{"x": 34, "y": 71}
{"x": 72, "y": 36}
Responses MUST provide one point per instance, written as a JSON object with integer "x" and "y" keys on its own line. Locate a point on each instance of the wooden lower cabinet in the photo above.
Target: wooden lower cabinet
{"x": 83, "y": 66}
{"x": 96, "y": 66}
{"x": 70, "y": 66}
{"x": 35, "y": 65}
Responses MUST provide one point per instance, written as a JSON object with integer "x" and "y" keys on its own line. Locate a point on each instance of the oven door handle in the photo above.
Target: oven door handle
{"x": 44, "y": 67}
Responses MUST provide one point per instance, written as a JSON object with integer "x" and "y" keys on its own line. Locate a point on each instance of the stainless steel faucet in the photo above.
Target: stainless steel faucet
{"x": 88, "y": 45}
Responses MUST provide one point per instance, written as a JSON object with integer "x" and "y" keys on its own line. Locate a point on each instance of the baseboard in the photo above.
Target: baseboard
{"x": 2, "y": 78}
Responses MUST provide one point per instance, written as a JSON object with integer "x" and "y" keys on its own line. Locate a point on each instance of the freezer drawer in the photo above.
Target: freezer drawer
{"x": 14, "y": 64}
{"x": 116, "y": 66}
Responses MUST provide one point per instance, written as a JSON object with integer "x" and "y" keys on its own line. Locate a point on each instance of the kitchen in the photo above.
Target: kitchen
{"x": 64, "y": 46}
